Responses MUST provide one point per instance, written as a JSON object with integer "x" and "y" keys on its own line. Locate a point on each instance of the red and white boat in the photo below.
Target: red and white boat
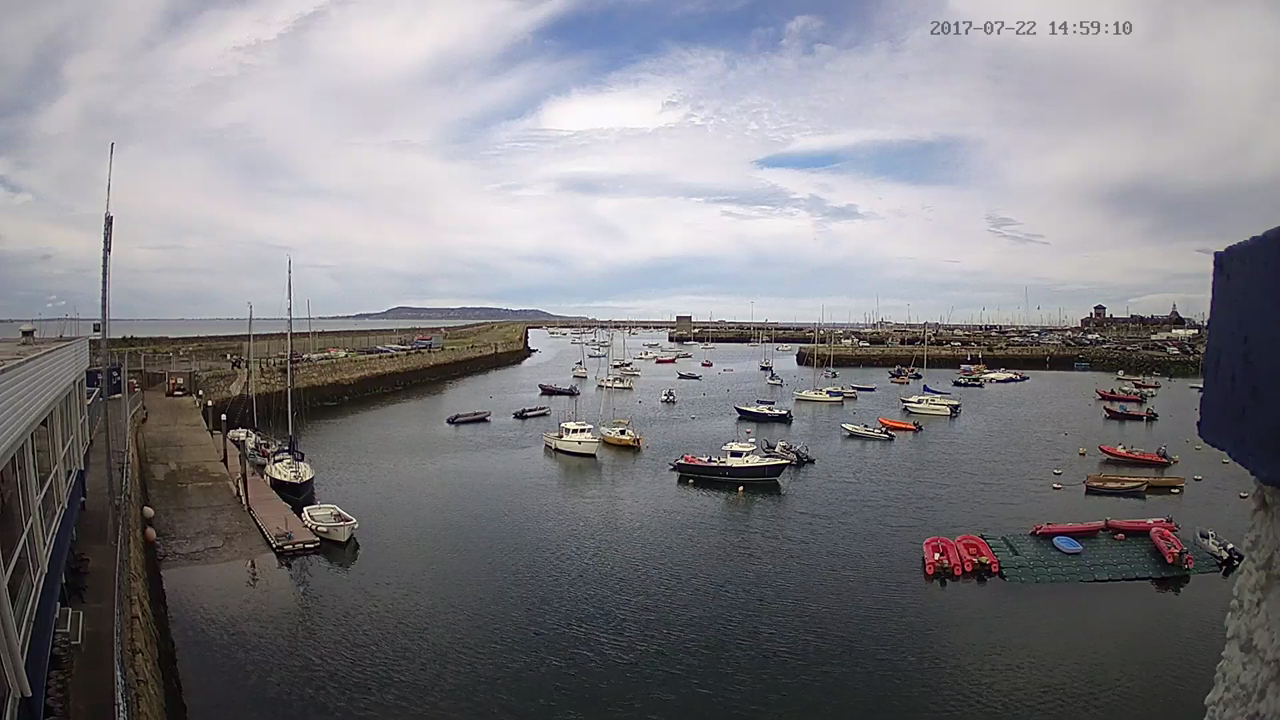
{"x": 665, "y": 359}
{"x": 976, "y": 553}
{"x": 1145, "y": 385}
{"x": 1069, "y": 529}
{"x": 1119, "y": 397}
{"x": 1135, "y": 457}
{"x": 1141, "y": 525}
{"x": 1171, "y": 548}
{"x": 941, "y": 554}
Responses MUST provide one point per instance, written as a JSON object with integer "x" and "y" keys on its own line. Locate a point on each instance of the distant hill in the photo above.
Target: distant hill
{"x": 405, "y": 312}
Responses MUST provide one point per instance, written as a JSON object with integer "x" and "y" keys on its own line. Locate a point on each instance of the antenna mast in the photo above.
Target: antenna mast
{"x": 104, "y": 383}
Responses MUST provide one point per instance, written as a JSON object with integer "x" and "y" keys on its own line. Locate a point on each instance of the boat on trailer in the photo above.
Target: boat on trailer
{"x": 329, "y": 522}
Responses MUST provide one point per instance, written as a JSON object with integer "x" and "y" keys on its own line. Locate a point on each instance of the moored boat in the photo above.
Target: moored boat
{"x": 1114, "y": 396}
{"x": 773, "y": 379}
{"x": 573, "y": 438}
{"x": 817, "y": 395}
{"x": 900, "y": 425}
{"x": 1146, "y": 384}
{"x": 1174, "y": 552}
{"x": 1115, "y": 487}
{"x": 688, "y": 375}
{"x": 968, "y": 381}
{"x": 1140, "y": 525}
{"x": 1067, "y": 545}
{"x": 1124, "y": 413}
{"x": 1120, "y": 453}
{"x": 1219, "y": 549}
{"x": 740, "y": 463}
{"x": 665, "y": 359}
{"x": 329, "y": 522}
{"x": 1069, "y": 529}
{"x": 620, "y": 433}
{"x": 468, "y": 417}
{"x": 931, "y": 409}
{"x": 761, "y": 412}
{"x": 668, "y": 396}
{"x": 868, "y": 432}
{"x": 529, "y": 412}
{"x": 975, "y": 553}
{"x": 616, "y": 382}
{"x": 941, "y": 554}
{"x": 931, "y": 391}
{"x": 900, "y": 380}
{"x": 547, "y": 389}
{"x": 1154, "y": 482}
{"x": 862, "y": 388}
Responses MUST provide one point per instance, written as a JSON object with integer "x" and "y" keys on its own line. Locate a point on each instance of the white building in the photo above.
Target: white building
{"x": 44, "y": 440}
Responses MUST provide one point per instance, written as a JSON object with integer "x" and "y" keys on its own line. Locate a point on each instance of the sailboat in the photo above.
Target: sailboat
{"x": 258, "y": 448}
{"x": 611, "y": 381}
{"x": 288, "y": 471}
{"x": 618, "y": 432}
{"x": 766, "y": 363}
{"x": 817, "y": 394}
{"x": 706, "y": 359}
{"x": 753, "y": 342}
{"x": 830, "y": 371}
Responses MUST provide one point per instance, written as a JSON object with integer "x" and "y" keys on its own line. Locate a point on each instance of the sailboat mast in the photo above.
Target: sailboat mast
{"x": 252, "y": 394}
{"x": 288, "y": 354}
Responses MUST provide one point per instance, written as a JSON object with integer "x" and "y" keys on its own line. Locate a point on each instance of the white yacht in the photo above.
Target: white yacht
{"x": 784, "y": 348}
{"x": 817, "y": 395}
{"x": 616, "y": 382}
{"x": 573, "y": 438}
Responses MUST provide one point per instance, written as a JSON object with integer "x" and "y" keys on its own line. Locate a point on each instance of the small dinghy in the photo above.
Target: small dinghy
{"x": 1116, "y": 487}
{"x": 773, "y": 379}
{"x": 1114, "y": 396}
{"x": 862, "y": 388}
{"x": 329, "y": 522}
{"x": 1142, "y": 525}
{"x": 867, "y": 432}
{"x": 1220, "y": 550}
{"x": 940, "y": 554}
{"x": 469, "y": 417}
{"x": 1124, "y": 413}
{"x": 688, "y": 375}
{"x": 968, "y": 381}
{"x": 900, "y": 425}
{"x": 931, "y": 391}
{"x": 1120, "y": 453}
{"x": 548, "y": 389}
{"x": 1174, "y": 552}
{"x": 1067, "y": 545}
{"x": 1087, "y": 528}
{"x": 528, "y": 412}
{"x": 975, "y": 553}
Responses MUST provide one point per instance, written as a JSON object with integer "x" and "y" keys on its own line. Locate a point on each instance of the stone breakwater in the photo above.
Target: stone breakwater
{"x": 331, "y": 382}
{"x": 1135, "y": 362}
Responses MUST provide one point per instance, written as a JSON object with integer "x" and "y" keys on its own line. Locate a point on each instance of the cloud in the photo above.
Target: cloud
{"x": 563, "y": 154}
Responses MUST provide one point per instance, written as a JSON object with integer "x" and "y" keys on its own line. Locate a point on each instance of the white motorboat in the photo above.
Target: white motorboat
{"x": 817, "y": 395}
{"x": 774, "y": 380}
{"x": 931, "y": 400}
{"x": 784, "y": 348}
{"x": 580, "y": 372}
{"x": 868, "y": 432}
{"x": 329, "y": 522}
{"x": 708, "y": 346}
{"x": 631, "y": 371}
{"x": 848, "y": 392}
{"x": 647, "y": 355}
{"x": 931, "y": 409}
{"x": 653, "y": 344}
{"x": 573, "y": 438}
{"x": 740, "y": 463}
{"x": 668, "y": 396}
{"x": 596, "y": 354}
{"x": 616, "y": 382}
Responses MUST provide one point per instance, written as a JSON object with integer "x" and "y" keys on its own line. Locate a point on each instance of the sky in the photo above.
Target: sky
{"x": 633, "y": 158}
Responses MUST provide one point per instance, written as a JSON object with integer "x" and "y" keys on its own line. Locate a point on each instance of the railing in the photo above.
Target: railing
{"x": 124, "y": 539}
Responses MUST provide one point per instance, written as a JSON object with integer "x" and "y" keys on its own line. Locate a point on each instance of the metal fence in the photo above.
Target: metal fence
{"x": 122, "y": 468}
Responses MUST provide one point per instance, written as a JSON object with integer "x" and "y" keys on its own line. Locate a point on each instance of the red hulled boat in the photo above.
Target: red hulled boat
{"x": 1123, "y": 413}
{"x": 1144, "y": 385}
{"x": 1141, "y": 525}
{"x": 665, "y": 359}
{"x": 1171, "y": 548}
{"x": 975, "y": 553}
{"x": 899, "y": 425}
{"x": 1112, "y": 396}
{"x": 941, "y": 553}
{"x": 1135, "y": 457}
{"x": 1070, "y": 529}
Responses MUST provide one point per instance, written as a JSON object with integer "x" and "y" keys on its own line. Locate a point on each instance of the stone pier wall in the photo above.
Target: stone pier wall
{"x": 1025, "y": 358}
{"x": 150, "y": 665}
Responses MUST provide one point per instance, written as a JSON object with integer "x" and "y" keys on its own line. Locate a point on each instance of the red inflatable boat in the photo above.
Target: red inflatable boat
{"x": 1135, "y": 457}
{"x": 1070, "y": 529}
{"x": 976, "y": 553}
{"x": 899, "y": 425}
{"x": 941, "y": 554}
{"x": 1171, "y": 548}
{"x": 1141, "y": 525}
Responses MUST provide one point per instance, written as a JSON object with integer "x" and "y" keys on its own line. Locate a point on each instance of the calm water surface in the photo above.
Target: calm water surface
{"x": 493, "y": 579}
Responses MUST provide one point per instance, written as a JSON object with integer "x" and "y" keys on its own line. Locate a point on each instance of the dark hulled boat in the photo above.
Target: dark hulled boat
{"x": 558, "y": 390}
{"x": 761, "y": 412}
{"x": 529, "y": 412}
{"x": 468, "y": 417}
{"x": 1123, "y": 413}
{"x": 740, "y": 463}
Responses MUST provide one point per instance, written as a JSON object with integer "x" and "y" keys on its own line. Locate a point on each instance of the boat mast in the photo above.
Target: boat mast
{"x": 925, "y": 372}
{"x": 288, "y": 355}
{"x": 252, "y": 394}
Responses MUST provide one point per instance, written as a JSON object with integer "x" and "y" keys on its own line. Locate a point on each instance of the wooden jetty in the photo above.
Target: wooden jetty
{"x": 283, "y": 530}
{"x": 1154, "y": 482}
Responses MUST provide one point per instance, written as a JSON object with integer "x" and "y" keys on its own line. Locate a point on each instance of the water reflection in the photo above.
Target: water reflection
{"x": 341, "y": 555}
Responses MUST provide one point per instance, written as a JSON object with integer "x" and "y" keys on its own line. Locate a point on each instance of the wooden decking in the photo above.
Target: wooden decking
{"x": 282, "y": 529}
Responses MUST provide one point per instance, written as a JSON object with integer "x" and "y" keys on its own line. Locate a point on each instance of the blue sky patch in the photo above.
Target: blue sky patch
{"x": 915, "y": 162}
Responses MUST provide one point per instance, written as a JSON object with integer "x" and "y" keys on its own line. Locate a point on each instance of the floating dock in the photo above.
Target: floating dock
{"x": 1033, "y": 559}
{"x": 283, "y": 530}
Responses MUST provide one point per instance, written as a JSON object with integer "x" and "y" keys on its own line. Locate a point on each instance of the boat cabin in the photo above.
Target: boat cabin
{"x": 575, "y": 429}
{"x": 738, "y": 450}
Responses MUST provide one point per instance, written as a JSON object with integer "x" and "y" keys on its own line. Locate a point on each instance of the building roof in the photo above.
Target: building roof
{"x": 12, "y": 350}
{"x": 1099, "y": 306}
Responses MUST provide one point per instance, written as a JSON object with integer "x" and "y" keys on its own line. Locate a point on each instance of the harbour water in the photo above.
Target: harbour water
{"x": 494, "y": 579}
{"x": 65, "y": 327}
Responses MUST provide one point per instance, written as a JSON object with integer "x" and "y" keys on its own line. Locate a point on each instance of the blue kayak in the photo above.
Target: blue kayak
{"x": 1067, "y": 545}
